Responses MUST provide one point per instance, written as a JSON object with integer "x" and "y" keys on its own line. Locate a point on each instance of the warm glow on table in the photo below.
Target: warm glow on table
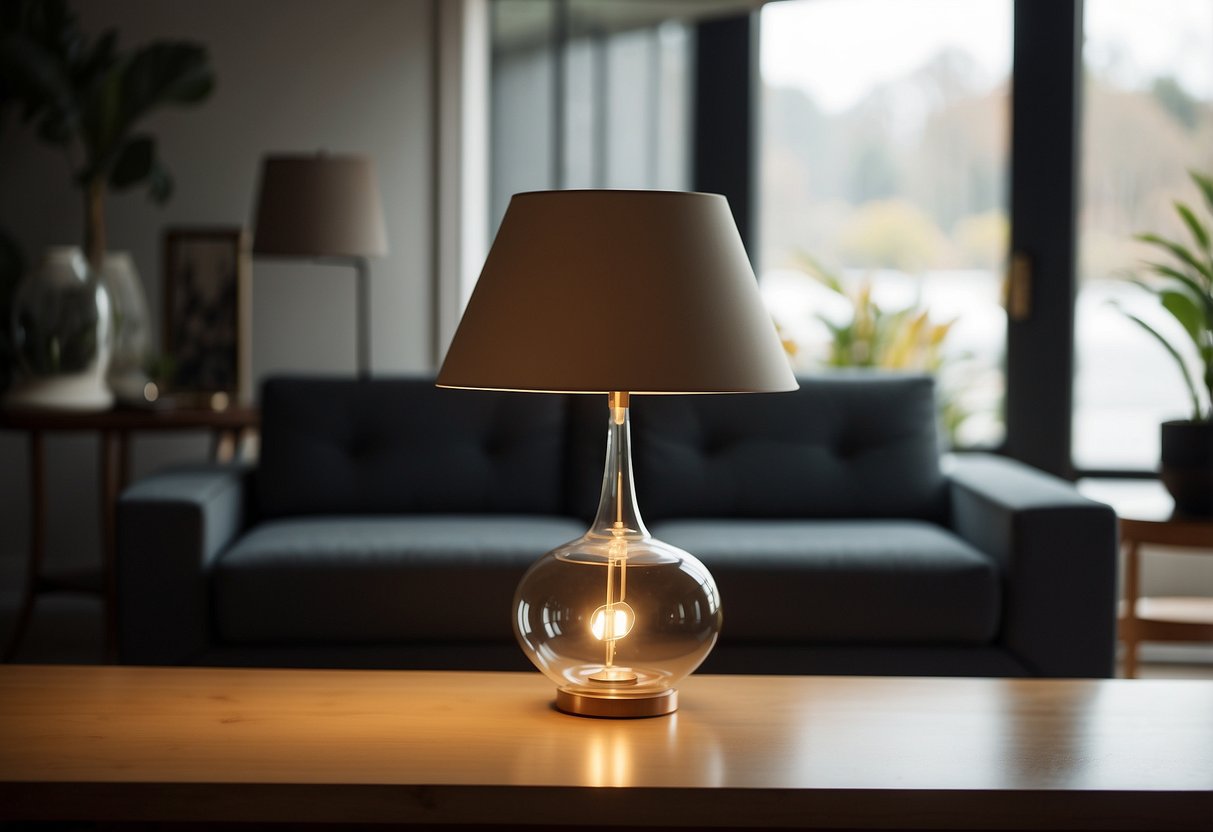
{"x": 258, "y": 745}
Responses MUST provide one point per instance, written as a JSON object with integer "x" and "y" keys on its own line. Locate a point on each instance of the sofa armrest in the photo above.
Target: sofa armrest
{"x": 1057, "y": 553}
{"x": 170, "y": 527}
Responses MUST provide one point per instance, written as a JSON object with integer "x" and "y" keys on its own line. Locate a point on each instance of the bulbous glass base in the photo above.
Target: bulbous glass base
{"x": 616, "y": 617}
{"x": 620, "y": 617}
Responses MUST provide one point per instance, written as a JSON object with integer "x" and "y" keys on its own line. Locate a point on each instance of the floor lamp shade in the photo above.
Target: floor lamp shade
{"x": 324, "y": 207}
{"x": 617, "y": 292}
{"x": 600, "y": 291}
{"x": 319, "y": 205}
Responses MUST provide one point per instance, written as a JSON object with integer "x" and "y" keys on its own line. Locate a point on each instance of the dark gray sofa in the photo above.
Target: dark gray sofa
{"x": 387, "y": 523}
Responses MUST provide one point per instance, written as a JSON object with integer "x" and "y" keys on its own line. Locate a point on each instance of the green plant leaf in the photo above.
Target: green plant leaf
{"x": 1180, "y": 252}
{"x": 99, "y": 126}
{"x": 160, "y": 184}
{"x": 1179, "y": 360}
{"x": 1205, "y": 185}
{"x": 53, "y": 129}
{"x": 1200, "y": 292}
{"x": 133, "y": 163}
{"x": 1199, "y": 233}
{"x": 101, "y": 60}
{"x": 820, "y": 273}
{"x": 164, "y": 72}
{"x": 34, "y": 77}
{"x": 1186, "y": 310}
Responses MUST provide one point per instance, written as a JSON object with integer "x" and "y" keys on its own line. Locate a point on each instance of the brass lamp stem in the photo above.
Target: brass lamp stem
{"x": 620, "y": 401}
{"x": 616, "y": 616}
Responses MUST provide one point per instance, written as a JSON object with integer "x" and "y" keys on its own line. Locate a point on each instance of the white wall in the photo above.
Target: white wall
{"x": 293, "y": 75}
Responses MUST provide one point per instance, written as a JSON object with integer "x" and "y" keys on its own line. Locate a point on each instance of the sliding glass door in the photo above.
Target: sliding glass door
{"x": 883, "y": 211}
{"x": 1147, "y": 119}
{"x": 942, "y": 185}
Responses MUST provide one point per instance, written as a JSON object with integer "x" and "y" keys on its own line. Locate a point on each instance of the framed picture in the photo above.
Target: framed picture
{"x": 207, "y": 302}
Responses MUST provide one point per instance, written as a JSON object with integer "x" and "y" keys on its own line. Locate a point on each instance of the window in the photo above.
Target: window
{"x": 587, "y": 94}
{"x": 884, "y": 155}
{"x": 1147, "y": 118}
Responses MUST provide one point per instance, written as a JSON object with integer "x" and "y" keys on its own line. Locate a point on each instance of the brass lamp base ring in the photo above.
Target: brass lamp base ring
{"x": 617, "y": 706}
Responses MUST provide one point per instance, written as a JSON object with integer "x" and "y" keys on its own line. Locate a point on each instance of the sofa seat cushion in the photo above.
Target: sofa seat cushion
{"x": 844, "y": 581}
{"x": 376, "y": 579}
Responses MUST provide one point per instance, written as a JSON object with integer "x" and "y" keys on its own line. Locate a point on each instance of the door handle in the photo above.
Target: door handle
{"x": 1017, "y": 288}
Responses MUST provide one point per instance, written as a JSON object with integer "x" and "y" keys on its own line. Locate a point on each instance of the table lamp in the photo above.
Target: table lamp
{"x": 618, "y": 293}
{"x": 326, "y": 208}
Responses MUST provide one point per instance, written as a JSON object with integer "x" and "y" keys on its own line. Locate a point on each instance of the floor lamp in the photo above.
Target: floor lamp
{"x": 327, "y": 208}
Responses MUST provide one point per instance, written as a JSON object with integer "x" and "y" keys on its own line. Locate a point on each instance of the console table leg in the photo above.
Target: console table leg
{"x": 110, "y": 464}
{"x": 225, "y": 445}
{"x": 37, "y": 542}
{"x": 1128, "y": 628}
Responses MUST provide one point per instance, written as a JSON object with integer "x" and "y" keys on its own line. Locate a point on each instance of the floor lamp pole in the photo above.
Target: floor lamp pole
{"x": 364, "y": 317}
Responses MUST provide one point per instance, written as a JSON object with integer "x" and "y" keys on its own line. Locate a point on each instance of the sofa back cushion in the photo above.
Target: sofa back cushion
{"x": 401, "y": 446}
{"x": 843, "y": 445}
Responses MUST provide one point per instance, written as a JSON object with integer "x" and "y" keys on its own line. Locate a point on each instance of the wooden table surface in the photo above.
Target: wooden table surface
{"x": 237, "y": 417}
{"x": 172, "y": 744}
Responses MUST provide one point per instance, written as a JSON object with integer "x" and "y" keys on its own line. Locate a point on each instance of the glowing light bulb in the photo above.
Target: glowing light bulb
{"x": 613, "y": 623}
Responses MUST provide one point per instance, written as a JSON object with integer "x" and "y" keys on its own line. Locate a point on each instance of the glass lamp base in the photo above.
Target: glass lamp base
{"x": 616, "y": 618}
{"x": 617, "y": 704}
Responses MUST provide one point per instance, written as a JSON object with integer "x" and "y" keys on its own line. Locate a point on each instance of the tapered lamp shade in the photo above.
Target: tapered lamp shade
{"x": 617, "y": 292}
{"x": 600, "y": 291}
{"x": 319, "y": 206}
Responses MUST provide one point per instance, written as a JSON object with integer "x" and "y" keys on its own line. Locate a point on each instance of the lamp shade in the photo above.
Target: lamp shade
{"x": 319, "y": 206}
{"x": 599, "y": 291}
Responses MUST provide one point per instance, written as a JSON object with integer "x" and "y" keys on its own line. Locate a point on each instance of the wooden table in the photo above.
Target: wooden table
{"x": 1147, "y": 518}
{"x": 114, "y": 429}
{"x": 1176, "y": 618}
{"x": 123, "y": 744}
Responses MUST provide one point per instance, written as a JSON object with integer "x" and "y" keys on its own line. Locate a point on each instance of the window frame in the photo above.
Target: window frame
{"x": 1046, "y": 102}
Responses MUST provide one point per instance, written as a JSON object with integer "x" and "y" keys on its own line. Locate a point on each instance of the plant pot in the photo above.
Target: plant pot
{"x": 61, "y": 336}
{"x": 1187, "y": 466}
{"x": 127, "y": 376}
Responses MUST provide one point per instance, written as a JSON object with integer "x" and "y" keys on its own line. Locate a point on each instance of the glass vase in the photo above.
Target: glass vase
{"x": 62, "y": 335}
{"x": 127, "y": 376}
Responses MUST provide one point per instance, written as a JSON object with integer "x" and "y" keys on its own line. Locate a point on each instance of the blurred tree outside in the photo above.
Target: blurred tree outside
{"x": 891, "y": 234}
{"x": 982, "y": 239}
{"x": 1139, "y": 146}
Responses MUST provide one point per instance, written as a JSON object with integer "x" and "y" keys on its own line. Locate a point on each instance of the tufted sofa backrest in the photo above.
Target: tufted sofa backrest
{"x": 846, "y": 445}
{"x": 402, "y": 445}
{"x": 861, "y": 445}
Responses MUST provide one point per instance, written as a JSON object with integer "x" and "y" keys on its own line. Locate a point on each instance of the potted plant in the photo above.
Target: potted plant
{"x": 87, "y": 98}
{"x": 873, "y": 336}
{"x": 1183, "y": 285}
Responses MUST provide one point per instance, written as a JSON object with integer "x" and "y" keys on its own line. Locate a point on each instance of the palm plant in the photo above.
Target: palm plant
{"x": 1184, "y": 288}
{"x": 903, "y": 339}
{"x": 87, "y": 99}
{"x": 892, "y": 339}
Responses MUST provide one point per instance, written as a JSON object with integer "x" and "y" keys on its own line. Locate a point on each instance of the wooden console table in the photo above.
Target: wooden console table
{"x": 207, "y": 746}
{"x": 114, "y": 429}
{"x": 1147, "y": 518}
{"x": 1162, "y": 618}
